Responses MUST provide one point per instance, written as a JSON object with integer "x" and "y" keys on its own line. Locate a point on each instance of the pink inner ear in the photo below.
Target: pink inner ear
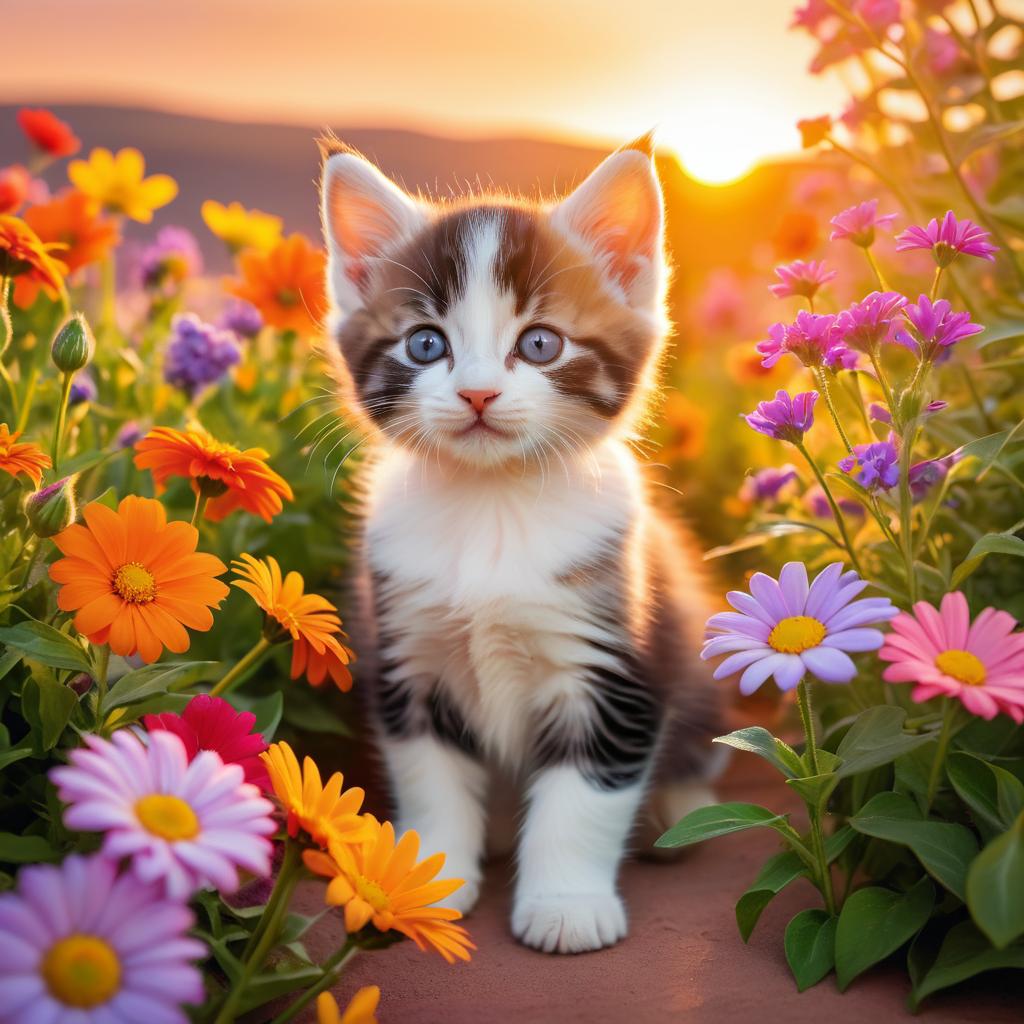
{"x": 358, "y": 273}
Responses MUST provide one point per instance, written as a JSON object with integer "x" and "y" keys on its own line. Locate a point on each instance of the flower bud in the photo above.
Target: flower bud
{"x": 81, "y": 683}
{"x": 51, "y": 509}
{"x": 73, "y": 345}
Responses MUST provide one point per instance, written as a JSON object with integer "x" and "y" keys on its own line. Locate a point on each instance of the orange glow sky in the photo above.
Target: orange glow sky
{"x": 724, "y": 82}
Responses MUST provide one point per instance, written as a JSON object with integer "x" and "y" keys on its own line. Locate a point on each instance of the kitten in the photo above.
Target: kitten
{"x": 527, "y": 610}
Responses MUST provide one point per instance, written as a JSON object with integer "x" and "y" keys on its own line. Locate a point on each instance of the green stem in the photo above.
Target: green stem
{"x": 36, "y": 551}
{"x": 826, "y": 391}
{"x": 906, "y": 515}
{"x": 840, "y": 522}
{"x": 332, "y": 969}
{"x": 101, "y": 665}
{"x": 200, "y": 507}
{"x": 265, "y": 935}
{"x": 30, "y": 393}
{"x": 935, "y": 284}
{"x": 62, "y": 418}
{"x": 803, "y": 694}
{"x": 242, "y": 667}
{"x": 803, "y": 699}
{"x": 945, "y": 735}
{"x": 108, "y": 294}
{"x": 883, "y": 382}
{"x": 875, "y": 269}
{"x": 883, "y": 523}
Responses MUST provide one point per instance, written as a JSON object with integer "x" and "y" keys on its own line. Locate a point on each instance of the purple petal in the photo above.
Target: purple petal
{"x": 757, "y": 673}
{"x": 829, "y": 665}
{"x": 855, "y": 640}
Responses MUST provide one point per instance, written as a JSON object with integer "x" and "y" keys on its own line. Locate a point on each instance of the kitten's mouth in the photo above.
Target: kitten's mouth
{"x": 480, "y": 426}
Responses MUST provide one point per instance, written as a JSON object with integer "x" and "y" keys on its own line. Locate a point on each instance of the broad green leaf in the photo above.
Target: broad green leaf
{"x": 756, "y": 740}
{"x": 16, "y": 753}
{"x": 15, "y": 849}
{"x": 875, "y": 922}
{"x": 47, "y": 707}
{"x": 995, "y": 887}
{"x": 876, "y": 738}
{"x": 810, "y": 946}
{"x": 719, "y": 820}
{"x": 994, "y": 795}
{"x": 151, "y": 680}
{"x": 836, "y": 843}
{"x": 40, "y": 642}
{"x": 267, "y": 710}
{"x": 816, "y": 789}
{"x": 274, "y": 984}
{"x": 964, "y": 953}
{"x": 774, "y": 876}
{"x": 990, "y": 544}
{"x": 944, "y": 848}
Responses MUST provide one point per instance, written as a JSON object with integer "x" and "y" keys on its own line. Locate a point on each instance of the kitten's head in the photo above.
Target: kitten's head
{"x": 490, "y": 330}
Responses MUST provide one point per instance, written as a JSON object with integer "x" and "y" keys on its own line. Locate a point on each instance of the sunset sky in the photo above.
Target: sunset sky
{"x": 724, "y": 82}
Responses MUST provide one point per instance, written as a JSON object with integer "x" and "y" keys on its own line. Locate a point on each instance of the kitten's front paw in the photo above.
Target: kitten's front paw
{"x": 464, "y": 898}
{"x": 569, "y": 923}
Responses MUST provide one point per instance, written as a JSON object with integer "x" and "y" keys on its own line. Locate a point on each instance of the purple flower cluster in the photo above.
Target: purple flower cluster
{"x": 870, "y": 322}
{"x": 241, "y": 317}
{"x": 874, "y": 466}
{"x": 935, "y": 327}
{"x": 198, "y": 353}
{"x": 786, "y": 418}
{"x": 171, "y": 258}
{"x": 766, "y": 485}
{"x": 814, "y": 338}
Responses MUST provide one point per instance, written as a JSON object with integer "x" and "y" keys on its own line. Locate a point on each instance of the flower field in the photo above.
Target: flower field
{"x": 167, "y": 644}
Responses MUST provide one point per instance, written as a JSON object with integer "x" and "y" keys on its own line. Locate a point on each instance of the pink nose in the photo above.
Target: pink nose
{"x": 478, "y": 398}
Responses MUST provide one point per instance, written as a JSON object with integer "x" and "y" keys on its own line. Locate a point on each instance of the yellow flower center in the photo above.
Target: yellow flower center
{"x": 168, "y": 817}
{"x": 963, "y": 666}
{"x": 373, "y": 894}
{"x": 134, "y": 583}
{"x": 795, "y": 634}
{"x": 82, "y": 971}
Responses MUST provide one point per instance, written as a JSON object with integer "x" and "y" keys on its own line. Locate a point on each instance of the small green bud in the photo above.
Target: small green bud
{"x": 51, "y": 509}
{"x": 73, "y": 345}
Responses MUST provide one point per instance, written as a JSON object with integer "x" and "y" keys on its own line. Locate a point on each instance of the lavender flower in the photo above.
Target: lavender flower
{"x": 786, "y": 418}
{"x": 858, "y": 223}
{"x": 800, "y": 278}
{"x": 129, "y": 433}
{"x": 170, "y": 259}
{"x": 923, "y": 476}
{"x": 198, "y": 353}
{"x": 870, "y": 322}
{"x": 874, "y": 466}
{"x": 936, "y": 327}
{"x": 818, "y": 505}
{"x": 948, "y": 239}
{"x": 83, "y": 389}
{"x": 242, "y": 318}
{"x": 765, "y": 486}
{"x": 813, "y": 338}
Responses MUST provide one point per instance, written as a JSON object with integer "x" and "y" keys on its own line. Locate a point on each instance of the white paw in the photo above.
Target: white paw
{"x": 569, "y": 923}
{"x": 465, "y": 897}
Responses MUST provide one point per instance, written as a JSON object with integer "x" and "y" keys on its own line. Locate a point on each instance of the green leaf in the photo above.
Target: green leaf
{"x": 150, "y": 680}
{"x": 964, "y": 953}
{"x": 995, "y": 887}
{"x": 875, "y": 922}
{"x": 994, "y": 795}
{"x": 47, "y": 707}
{"x": 816, "y": 789}
{"x": 944, "y": 848}
{"x": 16, "y": 753}
{"x": 40, "y": 642}
{"x": 810, "y": 946}
{"x": 774, "y": 876}
{"x": 876, "y": 738}
{"x": 267, "y": 710}
{"x": 970, "y": 141}
{"x": 15, "y": 849}
{"x": 272, "y": 985}
{"x": 719, "y": 820}
{"x": 756, "y": 740}
{"x": 990, "y": 544}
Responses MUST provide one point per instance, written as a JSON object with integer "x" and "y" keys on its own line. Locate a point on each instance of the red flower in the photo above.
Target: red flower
{"x": 14, "y": 186}
{"x": 210, "y": 723}
{"x": 48, "y": 132}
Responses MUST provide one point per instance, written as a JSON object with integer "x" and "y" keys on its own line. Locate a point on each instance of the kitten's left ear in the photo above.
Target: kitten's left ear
{"x": 618, "y": 212}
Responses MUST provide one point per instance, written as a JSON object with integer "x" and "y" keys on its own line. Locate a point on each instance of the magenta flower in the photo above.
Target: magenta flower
{"x": 880, "y": 15}
{"x": 786, "y": 628}
{"x": 943, "y": 653}
{"x": 948, "y": 239}
{"x": 936, "y": 327}
{"x": 766, "y": 485}
{"x": 817, "y": 504}
{"x": 800, "y": 278}
{"x": 813, "y": 338}
{"x": 81, "y": 944}
{"x": 812, "y": 15}
{"x": 923, "y": 476}
{"x": 785, "y": 418}
{"x": 872, "y": 321}
{"x": 186, "y": 825}
{"x": 874, "y": 466}
{"x": 858, "y": 223}
{"x": 942, "y": 52}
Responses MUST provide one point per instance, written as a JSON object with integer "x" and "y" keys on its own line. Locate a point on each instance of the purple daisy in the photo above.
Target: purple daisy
{"x": 874, "y": 466}
{"x": 872, "y": 321}
{"x": 198, "y": 353}
{"x": 241, "y": 317}
{"x": 767, "y": 485}
{"x": 786, "y": 418}
{"x": 186, "y": 824}
{"x": 936, "y": 327}
{"x": 801, "y": 278}
{"x": 81, "y": 944}
{"x": 786, "y": 628}
{"x": 948, "y": 239}
{"x": 171, "y": 258}
{"x": 813, "y": 338}
{"x": 858, "y": 223}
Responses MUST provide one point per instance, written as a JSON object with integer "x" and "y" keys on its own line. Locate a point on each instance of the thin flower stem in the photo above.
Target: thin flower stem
{"x": 200, "y": 507}
{"x": 101, "y": 665}
{"x": 803, "y": 699}
{"x": 803, "y": 695}
{"x": 945, "y": 735}
{"x": 30, "y": 393}
{"x": 6, "y": 336}
{"x": 242, "y": 667}
{"x": 826, "y": 391}
{"x": 332, "y": 969}
{"x": 858, "y": 400}
{"x": 934, "y": 291}
{"x": 12, "y": 392}
{"x": 838, "y": 516}
{"x": 876, "y": 269}
{"x": 882, "y": 380}
{"x": 108, "y": 294}
{"x": 62, "y": 417}
{"x": 36, "y": 550}
{"x": 906, "y": 516}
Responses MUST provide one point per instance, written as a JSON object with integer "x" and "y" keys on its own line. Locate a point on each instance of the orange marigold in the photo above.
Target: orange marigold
{"x": 378, "y": 881}
{"x": 23, "y": 254}
{"x": 310, "y": 620}
{"x": 229, "y": 477}
{"x": 25, "y": 457}
{"x": 135, "y": 580}
{"x": 285, "y": 284}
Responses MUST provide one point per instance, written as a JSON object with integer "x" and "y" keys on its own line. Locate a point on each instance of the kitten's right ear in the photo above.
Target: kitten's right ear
{"x": 364, "y": 213}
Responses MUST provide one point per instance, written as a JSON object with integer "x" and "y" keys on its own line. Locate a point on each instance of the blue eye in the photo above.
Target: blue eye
{"x": 426, "y": 345}
{"x": 539, "y": 345}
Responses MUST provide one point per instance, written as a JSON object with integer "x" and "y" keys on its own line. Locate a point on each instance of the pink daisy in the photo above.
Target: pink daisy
{"x": 189, "y": 825}
{"x": 947, "y": 239}
{"x": 858, "y": 223}
{"x": 943, "y": 653}
{"x": 801, "y": 278}
{"x": 80, "y": 944}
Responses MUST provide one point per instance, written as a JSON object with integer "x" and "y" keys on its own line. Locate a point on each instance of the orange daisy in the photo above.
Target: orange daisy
{"x": 23, "y": 254}
{"x": 73, "y": 220}
{"x": 229, "y": 477}
{"x": 378, "y": 881}
{"x": 136, "y": 581}
{"x": 309, "y": 619}
{"x": 285, "y": 284}
{"x": 25, "y": 458}
{"x": 323, "y": 811}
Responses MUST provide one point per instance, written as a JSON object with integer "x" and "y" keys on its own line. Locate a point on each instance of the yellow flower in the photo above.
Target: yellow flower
{"x": 240, "y": 228}
{"x": 117, "y": 182}
{"x": 325, "y": 812}
{"x": 361, "y": 1010}
{"x": 378, "y": 881}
